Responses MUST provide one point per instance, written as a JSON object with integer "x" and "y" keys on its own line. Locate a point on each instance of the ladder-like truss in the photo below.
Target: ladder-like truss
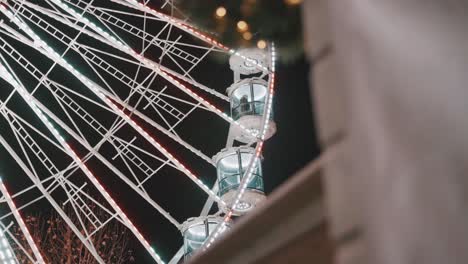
{"x": 101, "y": 81}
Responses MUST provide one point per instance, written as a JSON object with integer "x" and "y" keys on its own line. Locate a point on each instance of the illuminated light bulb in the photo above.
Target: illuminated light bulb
{"x": 220, "y": 12}
{"x": 247, "y": 35}
{"x": 261, "y": 44}
{"x": 242, "y": 26}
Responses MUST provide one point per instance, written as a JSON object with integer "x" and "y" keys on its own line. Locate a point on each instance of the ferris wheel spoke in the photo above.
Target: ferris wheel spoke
{"x": 179, "y": 52}
{"x": 23, "y": 150}
{"x": 94, "y": 88}
{"x": 26, "y": 142}
{"x": 163, "y": 71}
{"x": 166, "y": 131}
{"x": 51, "y": 200}
{"x": 143, "y": 167}
{"x": 104, "y": 161}
{"x": 138, "y": 75}
{"x": 156, "y": 99}
{"x": 138, "y": 128}
{"x": 18, "y": 122}
{"x": 129, "y": 12}
{"x": 54, "y": 179}
{"x": 50, "y": 188}
{"x": 83, "y": 114}
{"x": 68, "y": 19}
{"x": 70, "y": 170}
{"x": 55, "y": 119}
{"x": 68, "y": 112}
{"x": 67, "y": 173}
{"x": 53, "y": 170}
{"x": 76, "y": 158}
{"x": 8, "y": 33}
{"x": 5, "y": 231}
{"x": 173, "y": 49}
{"x": 80, "y": 203}
{"x": 171, "y": 20}
{"x": 182, "y": 87}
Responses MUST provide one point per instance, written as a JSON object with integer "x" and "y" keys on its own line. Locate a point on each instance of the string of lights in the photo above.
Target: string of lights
{"x": 21, "y": 223}
{"x": 246, "y": 178}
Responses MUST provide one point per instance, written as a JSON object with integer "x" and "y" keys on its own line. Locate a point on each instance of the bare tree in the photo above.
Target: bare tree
{"x": 58, "y": 243}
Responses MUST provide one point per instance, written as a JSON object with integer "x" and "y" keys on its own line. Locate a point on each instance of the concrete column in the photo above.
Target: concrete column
{"x": 329, "y": 92}
{"x": 403, "y": 71}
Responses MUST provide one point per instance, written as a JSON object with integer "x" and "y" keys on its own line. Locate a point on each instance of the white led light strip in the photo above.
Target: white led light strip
{"x": 19, "y": 220}
{"x": 258, "y": 152}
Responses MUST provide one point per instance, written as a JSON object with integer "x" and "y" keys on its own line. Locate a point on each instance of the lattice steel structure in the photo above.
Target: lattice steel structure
{"x": 112, "y": 82}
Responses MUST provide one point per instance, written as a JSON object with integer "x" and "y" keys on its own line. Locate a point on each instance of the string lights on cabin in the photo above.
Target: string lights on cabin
{"x": 249, "y": 174}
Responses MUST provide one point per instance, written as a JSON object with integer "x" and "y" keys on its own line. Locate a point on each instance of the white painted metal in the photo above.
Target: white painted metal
{"x": 124, "y": 96}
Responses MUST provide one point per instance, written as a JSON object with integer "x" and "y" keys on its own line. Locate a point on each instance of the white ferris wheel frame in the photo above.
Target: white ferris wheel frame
{"x": 19, "y": 12}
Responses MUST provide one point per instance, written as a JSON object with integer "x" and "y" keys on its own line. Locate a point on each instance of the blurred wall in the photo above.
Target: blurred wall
{"x": 392, "y": 77}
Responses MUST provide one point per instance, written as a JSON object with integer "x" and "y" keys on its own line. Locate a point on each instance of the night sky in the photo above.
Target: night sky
{"x": 289, "y": 150}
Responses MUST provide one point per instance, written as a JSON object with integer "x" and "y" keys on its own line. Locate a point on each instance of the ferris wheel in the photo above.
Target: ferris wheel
{"x": 115, "y": 90}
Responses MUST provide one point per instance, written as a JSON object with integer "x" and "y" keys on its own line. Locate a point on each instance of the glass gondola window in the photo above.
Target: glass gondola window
{"x": 196, "y": 230}
{"x": 232, "y": 167}
{"x": 232, "y": 164}
{"x": 248, "y": 97}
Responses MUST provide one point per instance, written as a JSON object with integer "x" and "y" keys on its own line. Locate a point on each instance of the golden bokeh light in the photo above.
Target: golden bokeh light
{"x": 293, "y": 2}
{"x": 220, "y": 12}
{"x": 247, "y": 35}
{"x": 242, "y": 26}
{"x": 261, "y": 44}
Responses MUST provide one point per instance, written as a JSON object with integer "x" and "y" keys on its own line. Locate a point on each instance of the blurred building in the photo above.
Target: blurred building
{"x": 389, "y": 86}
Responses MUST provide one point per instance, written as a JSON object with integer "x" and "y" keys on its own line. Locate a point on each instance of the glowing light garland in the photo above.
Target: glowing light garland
{"x": 258, "y": 152}
{"x": 21, "y": 223}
